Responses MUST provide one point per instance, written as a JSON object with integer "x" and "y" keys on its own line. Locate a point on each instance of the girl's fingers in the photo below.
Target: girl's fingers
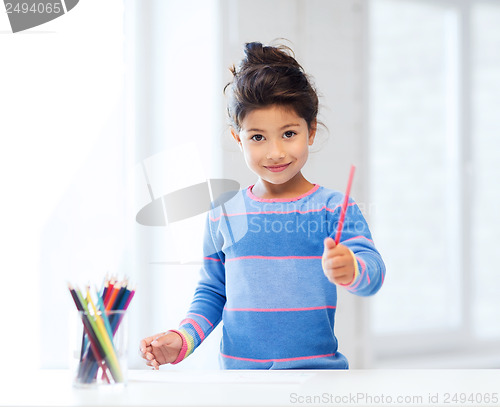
{"x": 340, "y": 276}
{"x": 154, "y": 365}
{"x": 336, "y": 262}
{"x": 146, "y": 342}
{"x": 329, "y": 243}
{"x": 143, "y": 345}
{"x": 339, "y": 272}
{"x": 161, "y": 348}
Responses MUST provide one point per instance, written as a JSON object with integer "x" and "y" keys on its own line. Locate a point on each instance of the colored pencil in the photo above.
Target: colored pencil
{"x": 104, "y": 289}
{"x": 94, "y": 345}
{"x": 132, "y": 292}
{"x": 116, "y": 304}
{"x": 106, "y": 341}
{"x": 121, "y": 299}
{"x": 100, "y": 334}
{"x": 344, "y": 206}
{"x": 112, "y": 297}
{"x": 105, "y": 318}
{"x": 109, "y": 291}
{"x": 101, "y": 319}
{"x": 129, "y": 294}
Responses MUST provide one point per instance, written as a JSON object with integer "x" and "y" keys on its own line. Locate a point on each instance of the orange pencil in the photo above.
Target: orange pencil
{"x": 112, "y": 298}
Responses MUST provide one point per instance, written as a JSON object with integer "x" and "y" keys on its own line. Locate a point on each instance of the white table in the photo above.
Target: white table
{"x": 261, "y": 388}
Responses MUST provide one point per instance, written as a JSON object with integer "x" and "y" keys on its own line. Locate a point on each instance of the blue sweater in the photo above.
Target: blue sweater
{"x": 262, "y": 276}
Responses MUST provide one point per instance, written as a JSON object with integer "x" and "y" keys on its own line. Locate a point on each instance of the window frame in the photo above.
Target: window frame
{"x": 442, "y": 347}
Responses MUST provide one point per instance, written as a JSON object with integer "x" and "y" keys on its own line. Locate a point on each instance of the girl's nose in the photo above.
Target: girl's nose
{"x": 275, "y": 152}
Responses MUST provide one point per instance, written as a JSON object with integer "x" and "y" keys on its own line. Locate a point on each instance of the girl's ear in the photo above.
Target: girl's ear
{"x": 312, "y": 131}
{"x": 236, "y": 136}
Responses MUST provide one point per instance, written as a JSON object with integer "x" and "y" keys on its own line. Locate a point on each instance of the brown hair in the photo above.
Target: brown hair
{"x": 270, "y": 76}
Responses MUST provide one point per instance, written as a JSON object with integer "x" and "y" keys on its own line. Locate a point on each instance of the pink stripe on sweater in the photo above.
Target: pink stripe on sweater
{"x": 255, "y": 198}
{"x": 274, "y": 258}
{"x": 358, "y": 237}
{"x": 183, "y": 350}
{"x": 278, "y": 360}
{"x": 197, "y": 328}
{"x": 199, "y": 315}
{"x": 363, "y": 268}
{"x": 280, "y": 309}
{"x": 210, "y": 258}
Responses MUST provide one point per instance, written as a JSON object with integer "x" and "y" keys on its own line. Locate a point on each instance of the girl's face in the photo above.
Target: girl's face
{"x": 275, "y": 143}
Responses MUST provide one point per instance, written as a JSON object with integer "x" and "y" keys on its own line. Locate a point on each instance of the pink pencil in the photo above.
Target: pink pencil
{"x": 344, "y": 206}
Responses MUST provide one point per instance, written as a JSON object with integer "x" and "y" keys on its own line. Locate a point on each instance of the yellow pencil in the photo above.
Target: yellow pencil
{"x": 100, "y": 323}
{"x": 102, "y": 335}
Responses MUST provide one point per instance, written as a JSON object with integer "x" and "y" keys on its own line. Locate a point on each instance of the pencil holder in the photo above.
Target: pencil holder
{"x": 100, "y": 350}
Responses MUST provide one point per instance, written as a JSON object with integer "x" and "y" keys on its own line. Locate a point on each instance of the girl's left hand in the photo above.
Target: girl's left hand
{"x": 337, "y": 262}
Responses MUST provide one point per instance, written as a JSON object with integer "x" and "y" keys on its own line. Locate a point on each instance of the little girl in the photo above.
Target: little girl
{"x": 271, "y": 268}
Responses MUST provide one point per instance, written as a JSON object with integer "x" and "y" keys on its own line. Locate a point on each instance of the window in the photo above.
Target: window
{"x": 434, "y": 87}
{"x": 485, "y": 145}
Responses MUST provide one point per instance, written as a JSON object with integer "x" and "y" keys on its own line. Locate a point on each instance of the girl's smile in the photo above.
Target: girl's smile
{"x": 278, "y": 168}
{"x": 275, "y": 142}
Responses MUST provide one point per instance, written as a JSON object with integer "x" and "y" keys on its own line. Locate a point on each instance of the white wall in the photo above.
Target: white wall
{"x": 61, "y": 160}
{"x": 173, "y": 51}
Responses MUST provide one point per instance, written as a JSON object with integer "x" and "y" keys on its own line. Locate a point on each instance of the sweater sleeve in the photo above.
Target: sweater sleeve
{"x": 369, "y": 266}
{"x": 209, "y": 298}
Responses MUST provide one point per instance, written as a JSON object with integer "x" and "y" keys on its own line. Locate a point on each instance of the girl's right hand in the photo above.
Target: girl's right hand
{"x": 161, "y": 348}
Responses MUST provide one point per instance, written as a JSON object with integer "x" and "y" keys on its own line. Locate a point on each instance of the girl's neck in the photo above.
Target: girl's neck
{"x": 295, "y": 187}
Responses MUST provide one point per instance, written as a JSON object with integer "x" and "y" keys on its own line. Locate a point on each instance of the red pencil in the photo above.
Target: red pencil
{"x": 111, "y": 301}
{"x": 344, "y": 206}
{"x": 111, "y": 284}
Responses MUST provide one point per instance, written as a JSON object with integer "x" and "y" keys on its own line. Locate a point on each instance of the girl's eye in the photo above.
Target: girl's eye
{"x": 257, "y": 137}
{"x": 289, "y": 134}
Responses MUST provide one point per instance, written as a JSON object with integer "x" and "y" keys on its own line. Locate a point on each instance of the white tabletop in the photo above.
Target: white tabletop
{"x": 262, "y": 388}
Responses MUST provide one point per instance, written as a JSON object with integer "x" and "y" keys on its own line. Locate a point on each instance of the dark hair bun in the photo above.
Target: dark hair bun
{"x": 257, "y": 54}
{"x": 266, "y": 76}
